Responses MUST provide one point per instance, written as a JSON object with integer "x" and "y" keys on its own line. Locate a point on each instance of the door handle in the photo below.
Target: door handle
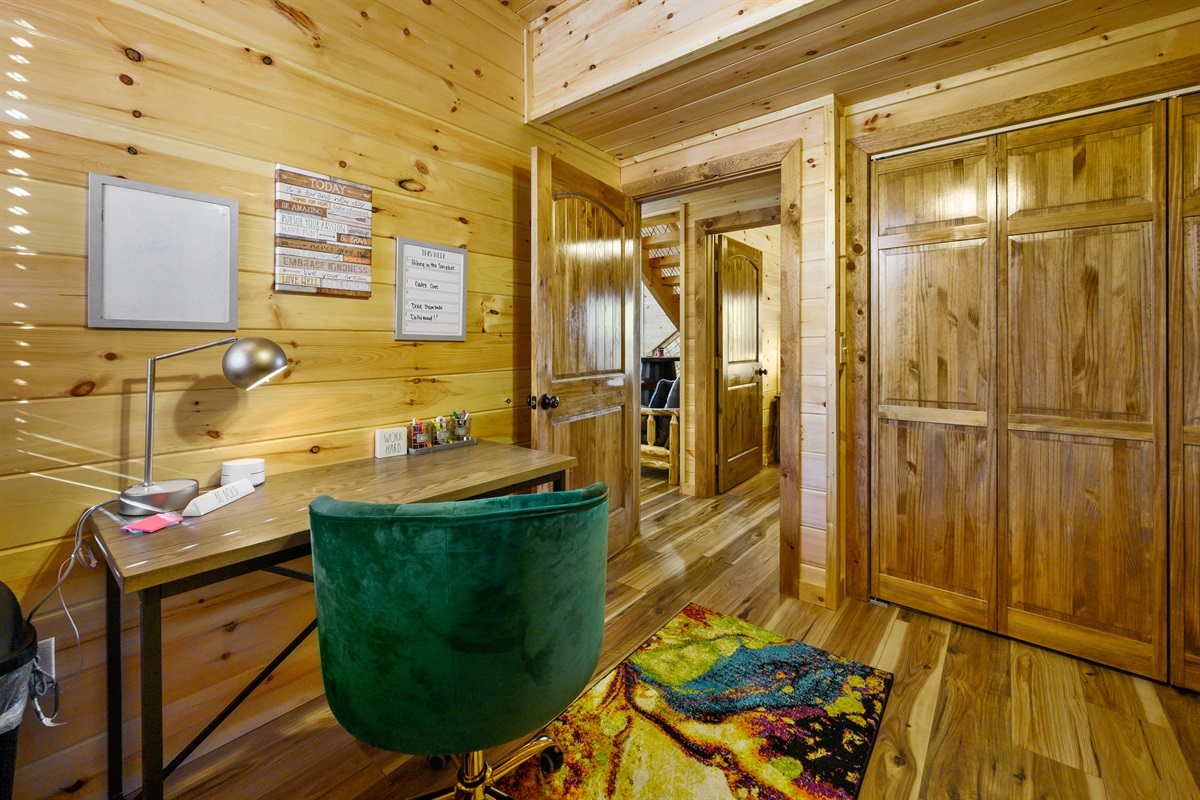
{"x": 531, "y": 401}
{"x": 760, "y": 372}
{"x": 549, "y": 402}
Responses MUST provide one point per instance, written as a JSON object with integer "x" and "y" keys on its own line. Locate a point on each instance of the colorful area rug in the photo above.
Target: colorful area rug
{"x": 713, "y": 707}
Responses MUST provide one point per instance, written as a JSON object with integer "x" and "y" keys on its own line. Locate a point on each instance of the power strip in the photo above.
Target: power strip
{"x": 45, "y": 656}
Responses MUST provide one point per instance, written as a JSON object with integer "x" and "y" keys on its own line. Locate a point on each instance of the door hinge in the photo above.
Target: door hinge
{"x": 843, "y": 354}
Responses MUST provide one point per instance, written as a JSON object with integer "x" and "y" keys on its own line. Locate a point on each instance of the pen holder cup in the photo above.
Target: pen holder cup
{"x": 462, "y": 430}
{"x": 442, "y": 436}
{"x": 420, "y": 439}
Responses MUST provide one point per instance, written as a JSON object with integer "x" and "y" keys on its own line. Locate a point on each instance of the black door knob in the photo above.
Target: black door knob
{"x": 549, "y": 401}
{"x": 531, "y": 401}
{"x": 760, "y": 372}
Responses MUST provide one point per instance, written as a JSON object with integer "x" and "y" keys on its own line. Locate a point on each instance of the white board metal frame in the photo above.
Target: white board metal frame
{"x": 160, "y": 257}
{"x": 453, "y": 298}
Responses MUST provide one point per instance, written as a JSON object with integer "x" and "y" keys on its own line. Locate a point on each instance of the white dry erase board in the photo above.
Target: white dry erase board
{"x": 160, "y": 257}
{"x": 431, "y": 292}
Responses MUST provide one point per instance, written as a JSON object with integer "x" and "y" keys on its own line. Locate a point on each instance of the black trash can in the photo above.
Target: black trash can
{"x": 18, "y": 646}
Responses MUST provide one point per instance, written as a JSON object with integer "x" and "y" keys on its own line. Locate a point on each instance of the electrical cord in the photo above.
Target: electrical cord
{"x": 41, "y": 682}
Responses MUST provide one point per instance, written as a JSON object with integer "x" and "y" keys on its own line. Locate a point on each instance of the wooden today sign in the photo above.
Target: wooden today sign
{"x": 322, "y": 234}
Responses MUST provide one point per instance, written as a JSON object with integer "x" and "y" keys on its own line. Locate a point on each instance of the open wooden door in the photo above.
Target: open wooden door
{"x": 585, "y": 317}
{"x": 739, "y": 361}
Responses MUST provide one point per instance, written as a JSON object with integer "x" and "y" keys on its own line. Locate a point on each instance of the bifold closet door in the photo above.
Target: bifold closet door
{"x": 933, "y": 453}
{"x": 1083, "y": 445}
{"x": 1185, "y": 391}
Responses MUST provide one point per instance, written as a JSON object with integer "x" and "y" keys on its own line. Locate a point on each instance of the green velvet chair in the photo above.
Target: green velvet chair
{"x": 449, "y": 628}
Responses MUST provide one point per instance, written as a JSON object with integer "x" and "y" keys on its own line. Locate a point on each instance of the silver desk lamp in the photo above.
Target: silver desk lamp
{"x": 247, "y": 363}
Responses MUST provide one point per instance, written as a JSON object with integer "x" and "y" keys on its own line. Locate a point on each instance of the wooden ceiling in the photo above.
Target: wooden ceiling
{"x": 630, "y": 77}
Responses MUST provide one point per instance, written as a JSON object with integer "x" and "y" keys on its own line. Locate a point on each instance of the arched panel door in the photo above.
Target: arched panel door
{"x": 585, "y": 317}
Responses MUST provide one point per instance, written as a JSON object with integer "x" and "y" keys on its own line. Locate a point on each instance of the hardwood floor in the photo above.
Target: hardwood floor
{"x": 971, "y": 715}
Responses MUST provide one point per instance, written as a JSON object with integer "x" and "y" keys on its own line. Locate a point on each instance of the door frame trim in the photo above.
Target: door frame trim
{"x": 820, "y": 585}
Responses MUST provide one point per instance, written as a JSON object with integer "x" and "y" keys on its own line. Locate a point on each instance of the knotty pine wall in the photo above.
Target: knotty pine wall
{"x": 208, "y": 97}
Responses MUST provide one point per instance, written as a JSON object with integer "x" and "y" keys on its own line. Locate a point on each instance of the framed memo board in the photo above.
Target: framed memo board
{"x": 431, "y": 292}
{"x": 160, "y": 257}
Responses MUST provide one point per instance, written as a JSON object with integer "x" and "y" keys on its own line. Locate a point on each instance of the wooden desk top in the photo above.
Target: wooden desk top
{"x": 275, "y": 516}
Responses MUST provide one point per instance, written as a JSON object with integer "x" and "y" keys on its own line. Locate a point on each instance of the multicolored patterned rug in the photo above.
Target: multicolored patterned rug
{"x": 713, "y": 707}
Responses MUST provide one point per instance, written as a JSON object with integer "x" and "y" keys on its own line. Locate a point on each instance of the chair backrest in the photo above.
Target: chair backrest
{"x": 451, "y": 627}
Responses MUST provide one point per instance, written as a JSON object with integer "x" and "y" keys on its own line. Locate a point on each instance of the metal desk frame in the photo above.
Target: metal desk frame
{"x": 154, "y": 773}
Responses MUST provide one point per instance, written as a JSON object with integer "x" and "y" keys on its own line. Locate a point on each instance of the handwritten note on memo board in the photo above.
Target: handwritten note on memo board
{"x": 322, "y": 234}
{"x": 431, "y": 292}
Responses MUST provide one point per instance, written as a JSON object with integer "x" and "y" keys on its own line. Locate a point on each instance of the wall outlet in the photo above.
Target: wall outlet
{"x": 45, "y": 655}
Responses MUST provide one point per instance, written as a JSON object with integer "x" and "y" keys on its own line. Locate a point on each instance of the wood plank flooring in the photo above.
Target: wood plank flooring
{"x": 971, "y": 715}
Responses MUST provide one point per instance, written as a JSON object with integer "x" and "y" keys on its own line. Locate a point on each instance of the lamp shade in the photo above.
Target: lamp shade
{"x": 249, "y": 362}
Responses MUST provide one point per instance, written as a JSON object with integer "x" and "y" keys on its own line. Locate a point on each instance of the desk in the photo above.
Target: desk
{"x": 259, "y": 532}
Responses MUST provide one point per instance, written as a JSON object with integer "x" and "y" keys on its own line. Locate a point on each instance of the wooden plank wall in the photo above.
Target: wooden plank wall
{"x": 208, "y": 97}
{"x": 766, "y": 240}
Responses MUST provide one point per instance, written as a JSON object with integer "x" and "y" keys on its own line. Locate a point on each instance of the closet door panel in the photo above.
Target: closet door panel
{"x": 1185, "y": 391}
{"x": 1104, "y": 163}
{"x": 933, "y": 464}
{"x": 1084, "y": 457}
{"x": 1082, "y": 543}
{"x": 1081, "y": 330}
{"x": 935, "y": 505}
{"x": 932, "y": 350}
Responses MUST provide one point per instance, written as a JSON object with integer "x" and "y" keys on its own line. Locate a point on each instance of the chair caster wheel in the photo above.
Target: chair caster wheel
{"x": 437, "y": 762}
{"x": 551, "y": 759}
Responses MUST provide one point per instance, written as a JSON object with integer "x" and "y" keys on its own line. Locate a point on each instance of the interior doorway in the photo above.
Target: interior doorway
{"x": 742, "y": 213}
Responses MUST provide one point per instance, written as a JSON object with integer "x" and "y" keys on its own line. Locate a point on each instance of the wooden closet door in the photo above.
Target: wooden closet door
{"x": 1184, "y": 199}
{"x": 1083, "y": 455}
{"x": 933, "y": 453}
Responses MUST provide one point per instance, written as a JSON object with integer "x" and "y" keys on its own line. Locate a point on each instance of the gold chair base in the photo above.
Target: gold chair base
{"x": 476, "y": 776}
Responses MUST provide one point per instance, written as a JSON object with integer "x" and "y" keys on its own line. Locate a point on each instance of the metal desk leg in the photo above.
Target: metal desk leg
{"x": 152, "y": 705}
{"x": 112, "y": 626}
{"x": 560, "y": 481}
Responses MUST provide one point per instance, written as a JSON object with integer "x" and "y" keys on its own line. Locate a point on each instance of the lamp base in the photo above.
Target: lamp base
{"x": 153, "y": 498}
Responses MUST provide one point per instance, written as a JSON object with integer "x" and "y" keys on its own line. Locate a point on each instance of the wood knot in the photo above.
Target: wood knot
{"x": 83, "y": 388}
{"x": 268, "y": 60}
{"x": 851, "y": 266}
{"x": 409, "y": 185}
{"x": 111, "y": 356}
{"x": 230, "y": 627}
{"x": 131, "y": 150}
{"x": 132, "y": 55}
{"x": 857, "y": 248}
{"x": 125, "y": 79}
{"x": 213, "y": 434}
{"x": 464, "y": 220}
{"x": 342, "y": 164}
{"x": 136, "y": 114}
{"x": 314, "y": 449}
